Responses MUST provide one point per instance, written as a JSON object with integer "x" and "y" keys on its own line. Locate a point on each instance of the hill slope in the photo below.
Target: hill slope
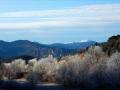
{"x": 112, "y": 45}
{"x": 25, "y": 48}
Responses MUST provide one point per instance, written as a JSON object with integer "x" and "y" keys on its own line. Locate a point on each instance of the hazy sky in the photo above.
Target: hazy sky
{"x": 51, "y": 21}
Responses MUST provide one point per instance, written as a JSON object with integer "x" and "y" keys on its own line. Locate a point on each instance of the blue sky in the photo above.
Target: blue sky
{"x": 52, "y": 21}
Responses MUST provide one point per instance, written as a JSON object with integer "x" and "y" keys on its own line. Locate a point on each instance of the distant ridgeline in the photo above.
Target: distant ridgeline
{"x": 27, "y": 50}
{"x": 112, "y": 45}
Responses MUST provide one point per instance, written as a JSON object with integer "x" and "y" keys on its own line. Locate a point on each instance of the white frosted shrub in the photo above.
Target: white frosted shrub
{"x": 18, "y": 65}
{"x": 94, "y": 55}
{"x": 114, "y": 61}
{"x": 7, "y": 70}
{"x": 46, "y": 68}
{"x": 11, "y": 70}
{"x": 72, "y": 71}
{"x": 32, "y": 62}
{"x": 113, "y": 67}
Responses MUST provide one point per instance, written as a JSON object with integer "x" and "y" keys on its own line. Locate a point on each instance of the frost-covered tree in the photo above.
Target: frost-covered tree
{"x": 31, "y": 64}
{"x": 7, "y": 70}
{"x": 94, "y": 53}
{"x": 113, "y": 67}
{"x": 114, "y": 61}
{"x": 45, "y": 67}
{"x": 72, "y": 71}
{"x": 94, "y": 69}
{"x": 15, "y": 68}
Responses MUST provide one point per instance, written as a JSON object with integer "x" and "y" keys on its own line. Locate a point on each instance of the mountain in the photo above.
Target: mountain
{"x": 25, "y": 49}
{"x": 76, "y": 45}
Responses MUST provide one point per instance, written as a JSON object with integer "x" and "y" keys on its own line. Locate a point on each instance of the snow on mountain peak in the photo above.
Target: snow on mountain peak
{"x": 84, "y": 40}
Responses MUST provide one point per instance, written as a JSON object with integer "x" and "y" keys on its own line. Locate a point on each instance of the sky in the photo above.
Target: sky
{"x": 59, "y": 21}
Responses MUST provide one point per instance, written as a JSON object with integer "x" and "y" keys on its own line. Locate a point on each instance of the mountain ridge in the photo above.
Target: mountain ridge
{"x": 34, "y": 49}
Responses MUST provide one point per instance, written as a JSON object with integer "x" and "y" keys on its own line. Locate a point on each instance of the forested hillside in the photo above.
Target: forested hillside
{"x": 112, "y": 45}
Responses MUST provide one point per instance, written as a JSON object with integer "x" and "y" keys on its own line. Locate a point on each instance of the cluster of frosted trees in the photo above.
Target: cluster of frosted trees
{"x": 94, "y": 69}
{"x": 13, "y": 69}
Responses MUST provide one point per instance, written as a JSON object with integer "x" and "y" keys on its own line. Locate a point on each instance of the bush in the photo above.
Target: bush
{"x": 72, "y": 72}
{"x": 10, "y": 70}
{"x": 45, "y": 68}
{"x": 95, "y": 70}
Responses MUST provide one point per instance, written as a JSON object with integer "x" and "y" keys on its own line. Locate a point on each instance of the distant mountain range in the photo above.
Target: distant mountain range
{"x": 75, "y": 45}
{"x": 19, "y": 48}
